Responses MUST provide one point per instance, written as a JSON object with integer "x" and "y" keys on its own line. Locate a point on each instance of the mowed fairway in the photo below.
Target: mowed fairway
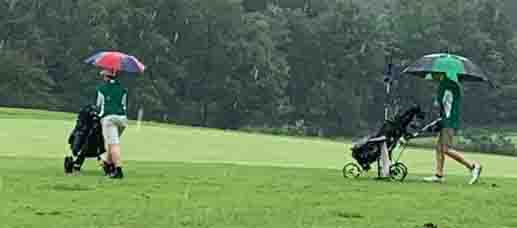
{"x": 191, "y": 177}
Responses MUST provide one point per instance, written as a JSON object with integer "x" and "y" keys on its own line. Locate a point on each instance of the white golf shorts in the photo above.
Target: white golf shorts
{"x": 112, "y": 128}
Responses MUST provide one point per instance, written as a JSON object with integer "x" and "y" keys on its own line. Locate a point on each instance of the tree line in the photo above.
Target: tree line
{"x": 314, "y": 65}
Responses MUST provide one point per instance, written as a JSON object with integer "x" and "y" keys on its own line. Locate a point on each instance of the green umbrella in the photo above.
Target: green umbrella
{"x": 456, "y": 68}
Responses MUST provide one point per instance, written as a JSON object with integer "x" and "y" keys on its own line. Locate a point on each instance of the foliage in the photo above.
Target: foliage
{"x": 231, "y": 64}
{"x": 488, "y": 142}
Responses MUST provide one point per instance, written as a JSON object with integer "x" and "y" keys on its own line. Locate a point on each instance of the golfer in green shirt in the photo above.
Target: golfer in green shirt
{"x": 449, "y": 101}
{"x": 112, "y": 103}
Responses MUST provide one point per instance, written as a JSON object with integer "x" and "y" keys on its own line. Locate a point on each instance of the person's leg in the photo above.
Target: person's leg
{"x": 455, "y": 155}
{"x": 109, "y": 159}
{"x": 440, "y": 160}
{"x": 106, "y": 162}
{"x": 115, "y": 155}
{"x": 108, "y": 132}
{"x": 473, "y": 166}
{"x": 115, "y": 148}
{"x": 120, "y": 124}
{"x": 440, "y": 157}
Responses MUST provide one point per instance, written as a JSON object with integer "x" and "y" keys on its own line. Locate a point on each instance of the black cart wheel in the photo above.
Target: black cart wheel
{"x": 68, "y": 165}
{"x": 398, "y": 171}
{"x": 351, "y": 170}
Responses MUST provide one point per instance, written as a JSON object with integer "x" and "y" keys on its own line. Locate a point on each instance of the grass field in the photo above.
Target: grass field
{"x": 192, "y": 177}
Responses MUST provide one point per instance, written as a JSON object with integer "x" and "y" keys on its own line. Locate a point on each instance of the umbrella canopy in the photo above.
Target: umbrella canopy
{"x": 456, "y": 68}
{"x": 116, "y": 61}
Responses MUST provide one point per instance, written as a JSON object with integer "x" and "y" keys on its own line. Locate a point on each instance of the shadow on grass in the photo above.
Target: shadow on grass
{"x": 348, "y": 215}
{"x": 73, "y": 187}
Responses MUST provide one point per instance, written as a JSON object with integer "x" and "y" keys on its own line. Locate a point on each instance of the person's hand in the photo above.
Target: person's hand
{"x": 403, "y": 140}
{"x": 436, "y": 128}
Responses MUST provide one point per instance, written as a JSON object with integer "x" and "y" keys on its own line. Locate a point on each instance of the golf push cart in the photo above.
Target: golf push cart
{"x": 393, "y": 134}
{"x": 86, "y": 140}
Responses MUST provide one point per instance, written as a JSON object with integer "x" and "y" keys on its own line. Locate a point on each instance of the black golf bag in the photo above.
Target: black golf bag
{"x": 403, "y": 127}
{"x": 369, "y": 150}
{"x": 396, "y": 129}
{"x": 86, "y": 140}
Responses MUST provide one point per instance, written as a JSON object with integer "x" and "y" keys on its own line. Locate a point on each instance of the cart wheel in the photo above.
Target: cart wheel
{"x": 351, "y": 170}
{"x": 68, "y": 165}
{"x": 398, "y": 171}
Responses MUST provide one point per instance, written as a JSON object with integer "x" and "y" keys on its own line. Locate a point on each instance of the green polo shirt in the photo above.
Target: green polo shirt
{"x": 450, "y": 98}
{"x": 112, "y": 99}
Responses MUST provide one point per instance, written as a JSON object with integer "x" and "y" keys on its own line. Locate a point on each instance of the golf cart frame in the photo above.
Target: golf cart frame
{"x": 393, "y": 134}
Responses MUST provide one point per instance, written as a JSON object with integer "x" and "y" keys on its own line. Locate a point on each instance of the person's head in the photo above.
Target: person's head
{"x": 108, "y": 75}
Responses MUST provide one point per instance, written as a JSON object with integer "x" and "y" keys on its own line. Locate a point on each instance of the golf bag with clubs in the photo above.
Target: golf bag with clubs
{"x": 394, "y": 131}
{"x": 392, "y": 134}
{"x": 86, "y": 140}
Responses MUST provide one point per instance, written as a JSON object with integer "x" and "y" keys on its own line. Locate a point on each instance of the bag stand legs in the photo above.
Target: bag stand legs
{"x": 384, "y": 162}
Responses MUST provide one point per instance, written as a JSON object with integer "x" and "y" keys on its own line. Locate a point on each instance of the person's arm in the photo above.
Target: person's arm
{"x": 100, "y": 102}
{"x": 447, "y": 100}
{"x": 439, "y": 100}
{"x": 124, "y": 101}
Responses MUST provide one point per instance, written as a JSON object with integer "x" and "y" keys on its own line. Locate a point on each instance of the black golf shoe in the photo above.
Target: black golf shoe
{"x": 108, "y": 168}
{"x": 117, "y": 174}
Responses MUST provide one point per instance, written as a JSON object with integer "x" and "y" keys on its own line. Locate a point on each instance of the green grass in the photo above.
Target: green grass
{"x": 193, "y": 177}
{"x": 161, "y": 194}
{"x": 18, "y": 113}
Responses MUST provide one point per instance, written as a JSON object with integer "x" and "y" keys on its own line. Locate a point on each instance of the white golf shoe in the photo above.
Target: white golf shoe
{"x": 476, "y": 173}
{"x": 434, "y": 179}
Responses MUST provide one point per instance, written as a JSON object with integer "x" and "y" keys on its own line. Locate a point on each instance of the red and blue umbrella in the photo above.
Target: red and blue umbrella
{"x": 116, "y": 61}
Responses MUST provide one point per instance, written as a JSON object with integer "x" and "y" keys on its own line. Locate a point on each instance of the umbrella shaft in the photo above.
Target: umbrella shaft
{"x": 386, "y": 113}
{"x": 386, "y": 105}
